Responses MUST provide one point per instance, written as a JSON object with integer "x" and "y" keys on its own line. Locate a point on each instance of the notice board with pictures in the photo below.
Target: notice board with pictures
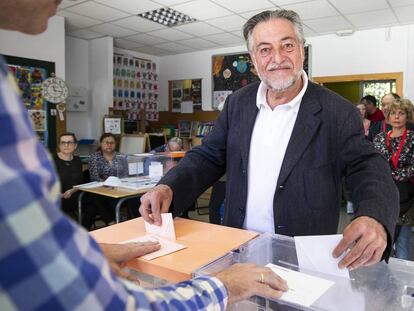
{"x": 29, "y": 75}
{"x": 183, "y": 93}
{"x": 231, "y": 72}
{"x": 135, "y": 86}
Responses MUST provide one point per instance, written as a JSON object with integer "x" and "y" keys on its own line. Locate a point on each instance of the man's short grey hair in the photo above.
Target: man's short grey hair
{"x": 176, "y": 140}
{"x": 265, "y": 16}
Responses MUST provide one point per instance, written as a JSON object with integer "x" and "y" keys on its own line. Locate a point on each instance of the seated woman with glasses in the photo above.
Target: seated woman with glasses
{"x": 69, "y": 169}
{"x": 105, "y": 162}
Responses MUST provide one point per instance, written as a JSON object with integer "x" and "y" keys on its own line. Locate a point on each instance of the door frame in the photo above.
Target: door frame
{"x": 397, "y": 76}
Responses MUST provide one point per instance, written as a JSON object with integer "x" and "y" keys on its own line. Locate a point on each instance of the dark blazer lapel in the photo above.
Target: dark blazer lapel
{"x": 306, "y": 125}
{"x": 248, "y": 117}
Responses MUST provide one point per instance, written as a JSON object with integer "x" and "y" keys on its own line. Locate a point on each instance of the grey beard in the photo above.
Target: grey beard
{"x": 281, "y": 86}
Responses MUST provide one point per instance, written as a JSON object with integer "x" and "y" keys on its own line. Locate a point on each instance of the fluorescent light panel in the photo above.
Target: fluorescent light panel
{"x": 167, "y": 17}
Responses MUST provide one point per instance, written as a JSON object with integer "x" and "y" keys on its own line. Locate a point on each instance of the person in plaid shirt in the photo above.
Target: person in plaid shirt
{"x": 47, "y": 262}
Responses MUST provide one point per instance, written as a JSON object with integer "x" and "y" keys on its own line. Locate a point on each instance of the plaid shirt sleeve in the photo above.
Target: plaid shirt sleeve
{"x": 47, "y": 262}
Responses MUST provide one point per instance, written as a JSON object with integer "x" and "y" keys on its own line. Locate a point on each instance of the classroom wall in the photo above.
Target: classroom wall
{"x": 77, "y": 74}
{"x": 48, "y": 46}
{"x": 89, "y": 63}
{"x": 369, "y": 51}
{"x": 191, "y": 66}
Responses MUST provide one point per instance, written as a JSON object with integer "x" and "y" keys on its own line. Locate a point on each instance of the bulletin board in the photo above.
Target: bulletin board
{"x": 231, "y": 72}
{"x": 136, "y": 87}
{"x": 112, "y": 124}
{"x": 29, "y": 74}
{"x": 185, "y": 95}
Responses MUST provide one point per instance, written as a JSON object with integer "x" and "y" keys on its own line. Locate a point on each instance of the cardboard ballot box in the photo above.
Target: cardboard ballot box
{"x": 378, "y": 287}
{"x": 205, "y": 243}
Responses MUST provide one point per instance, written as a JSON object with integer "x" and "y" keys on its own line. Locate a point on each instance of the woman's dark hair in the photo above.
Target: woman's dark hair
{"x": 69, "y": 134}
{"x": 103, "y": 136}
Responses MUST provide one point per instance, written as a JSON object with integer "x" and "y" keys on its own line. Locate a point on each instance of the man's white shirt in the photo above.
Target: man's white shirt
{"x": 270, "y": 138}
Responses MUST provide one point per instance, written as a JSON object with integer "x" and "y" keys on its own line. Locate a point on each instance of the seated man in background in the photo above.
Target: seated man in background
{"x": 43, "y": 250}
{"x": 173, "y": 144}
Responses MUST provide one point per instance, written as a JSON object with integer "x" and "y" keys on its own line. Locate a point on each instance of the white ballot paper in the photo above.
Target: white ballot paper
{"x": 315, "y": 253}
{"x": 89, "y": 185}
{"x": 304, "y": 289}
{"x": 166, "y": 230}
{"x": 164, "y": 234}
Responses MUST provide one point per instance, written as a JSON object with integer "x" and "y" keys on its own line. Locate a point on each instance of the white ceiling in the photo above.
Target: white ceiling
{"x": 219, "y": 22}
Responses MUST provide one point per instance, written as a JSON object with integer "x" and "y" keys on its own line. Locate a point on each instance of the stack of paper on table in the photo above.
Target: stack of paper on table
{"x": 129, "y": 183}
{"x": 204, "y": 243}
{"x": 90, "y": 185}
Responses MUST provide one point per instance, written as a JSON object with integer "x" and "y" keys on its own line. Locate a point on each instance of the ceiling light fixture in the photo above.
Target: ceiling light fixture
{"x": 344, "y": 32}
{"x": 167, "y": 17}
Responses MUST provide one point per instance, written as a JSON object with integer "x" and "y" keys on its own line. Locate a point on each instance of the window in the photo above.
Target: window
{"x": 378, "y": 88}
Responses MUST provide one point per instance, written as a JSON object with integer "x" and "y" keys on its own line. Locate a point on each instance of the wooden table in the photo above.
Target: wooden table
{"x": 114, "y": 192}
{"x": 175, "y": 154}
{"x": 205, "y": 243}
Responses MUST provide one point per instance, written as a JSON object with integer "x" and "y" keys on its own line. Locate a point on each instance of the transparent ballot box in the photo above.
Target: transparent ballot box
{"x": 379, "y": 287}
{"x": 139, "y": 171}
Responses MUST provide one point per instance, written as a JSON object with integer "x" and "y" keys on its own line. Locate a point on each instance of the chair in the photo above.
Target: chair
{"x": 155, "y": 140}
{"x": 132, "y": 143}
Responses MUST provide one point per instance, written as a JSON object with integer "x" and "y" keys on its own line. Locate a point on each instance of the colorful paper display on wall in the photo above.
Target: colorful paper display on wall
{"x": 135, "y": 86}
{"x": 29, "y": 80}
{"x": 230, "y": 73}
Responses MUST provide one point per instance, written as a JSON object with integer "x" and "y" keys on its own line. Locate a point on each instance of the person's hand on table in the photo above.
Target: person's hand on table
{"x": 154, "y": 202}
{"x": 245, "y": 280}
{"x": 119, "y": 254}
{"x": 68, "y": 193}
{"x": 367, "y": 240}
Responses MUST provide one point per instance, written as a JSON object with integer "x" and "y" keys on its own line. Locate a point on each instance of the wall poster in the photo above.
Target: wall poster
{"x": 230, "y": 73}
{"x": 29, "y": 74}
{"x": 233, "y": 71}
{"x": 136, "y": 86}
{"x": 185, "y": 91}
{"x": 112, "y": 125}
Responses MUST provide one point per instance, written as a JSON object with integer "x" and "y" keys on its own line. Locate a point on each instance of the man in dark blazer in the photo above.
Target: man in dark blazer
{"x": 320, "y": 139}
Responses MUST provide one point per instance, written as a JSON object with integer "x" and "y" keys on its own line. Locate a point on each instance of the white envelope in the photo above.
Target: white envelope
{"x": 167, "y": 246}
{"x": 315, "y": 254}
{"x": 166, "y": 230}
{"x": 303, "y": 289}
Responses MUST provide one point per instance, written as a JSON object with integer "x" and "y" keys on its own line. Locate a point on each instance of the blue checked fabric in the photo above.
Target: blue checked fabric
{"x": 47, "y": 262}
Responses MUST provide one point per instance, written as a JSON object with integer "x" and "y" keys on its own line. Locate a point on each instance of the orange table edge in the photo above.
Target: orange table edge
{"x": 205, "y": 243}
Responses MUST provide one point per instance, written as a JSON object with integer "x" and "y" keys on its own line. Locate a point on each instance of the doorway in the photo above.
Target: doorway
{"x": 354, "y": 87}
